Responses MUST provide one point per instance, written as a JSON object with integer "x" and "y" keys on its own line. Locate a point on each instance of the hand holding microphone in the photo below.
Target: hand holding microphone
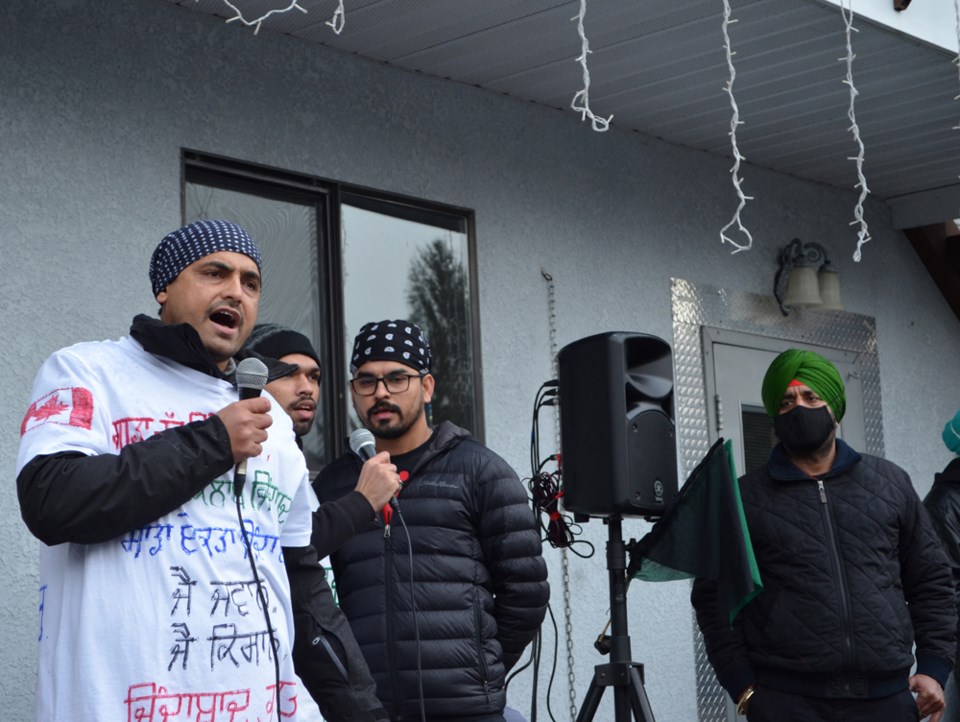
{"x": 247, "y": 420}
{"x": 379, "y": 481}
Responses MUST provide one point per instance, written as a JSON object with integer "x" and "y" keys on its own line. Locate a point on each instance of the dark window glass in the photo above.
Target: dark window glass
{"x": 758, "y": 438}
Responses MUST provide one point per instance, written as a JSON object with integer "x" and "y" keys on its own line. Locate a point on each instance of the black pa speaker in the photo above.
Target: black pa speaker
{"x": 616, "y": 425}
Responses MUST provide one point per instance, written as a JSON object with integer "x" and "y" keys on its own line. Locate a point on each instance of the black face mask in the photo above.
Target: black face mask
{"x": 804, "y": 430}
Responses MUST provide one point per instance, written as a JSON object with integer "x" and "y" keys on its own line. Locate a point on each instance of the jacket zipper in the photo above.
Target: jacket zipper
{"x": 847, "y": 654}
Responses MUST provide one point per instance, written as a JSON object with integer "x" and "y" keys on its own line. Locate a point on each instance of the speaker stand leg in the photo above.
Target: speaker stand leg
{"x": 625, "y": 676}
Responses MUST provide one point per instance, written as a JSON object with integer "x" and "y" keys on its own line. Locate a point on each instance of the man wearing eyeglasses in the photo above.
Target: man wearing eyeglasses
{"x": 441, "y": 644}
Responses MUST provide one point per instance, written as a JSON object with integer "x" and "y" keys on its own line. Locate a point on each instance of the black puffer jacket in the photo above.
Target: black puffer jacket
{"x": 853, "y": 574}
{"x": 479, "y": 580}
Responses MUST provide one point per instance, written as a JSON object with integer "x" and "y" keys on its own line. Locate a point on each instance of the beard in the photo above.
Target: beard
{"x": 392, "y": 430}
{"x": 302, "y": 428}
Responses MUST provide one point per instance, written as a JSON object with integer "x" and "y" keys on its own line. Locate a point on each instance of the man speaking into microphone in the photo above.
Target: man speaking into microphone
{"x": 162, "y": 586}
{"x": 444, "y": 593}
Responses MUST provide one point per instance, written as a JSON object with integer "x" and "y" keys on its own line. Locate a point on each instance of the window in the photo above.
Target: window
{"x": 758, "y": 437}
{"x": 337, "y": 256}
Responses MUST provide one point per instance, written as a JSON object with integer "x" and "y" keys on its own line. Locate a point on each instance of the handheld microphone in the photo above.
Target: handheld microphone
{"x": 363, "y": 445}
{"x": 251, "y": 378}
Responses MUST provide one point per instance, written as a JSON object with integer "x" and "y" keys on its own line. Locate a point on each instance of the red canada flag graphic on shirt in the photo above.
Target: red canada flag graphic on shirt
{"x": 70, "y": 407}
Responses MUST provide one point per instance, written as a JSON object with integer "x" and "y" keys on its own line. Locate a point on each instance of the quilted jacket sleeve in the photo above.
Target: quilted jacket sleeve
{"x": 943, "y": 505}
{"x": 928, "y": 589}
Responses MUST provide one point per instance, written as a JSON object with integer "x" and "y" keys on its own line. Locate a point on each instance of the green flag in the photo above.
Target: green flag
{"x": 704, "y": 534}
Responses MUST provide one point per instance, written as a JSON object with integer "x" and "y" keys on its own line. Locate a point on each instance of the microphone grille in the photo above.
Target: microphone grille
{"x": 251, "y": 373}
{"x": 360, "y": 438}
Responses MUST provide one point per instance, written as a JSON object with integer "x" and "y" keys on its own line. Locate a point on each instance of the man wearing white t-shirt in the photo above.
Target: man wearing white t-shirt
{"x": 167, "y": 591}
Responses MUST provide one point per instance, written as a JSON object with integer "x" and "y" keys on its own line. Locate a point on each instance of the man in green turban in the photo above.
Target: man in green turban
{"x": 799, "y": 367}
{"x": 854, "y": 575}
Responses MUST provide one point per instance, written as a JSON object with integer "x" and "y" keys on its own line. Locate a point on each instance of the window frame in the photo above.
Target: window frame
{"x": 329, "y": 196}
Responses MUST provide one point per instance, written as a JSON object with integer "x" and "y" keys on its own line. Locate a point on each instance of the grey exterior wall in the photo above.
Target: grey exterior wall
{"x": 97, "y": 98}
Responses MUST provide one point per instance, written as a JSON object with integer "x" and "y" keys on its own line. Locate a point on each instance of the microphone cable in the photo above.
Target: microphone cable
{"x": 251, "y": 377}
{"x": 413, "y": 607}
{"x": 536, "y": 650}
{"x": 363, "y": 445}
{"x": 560, "y": 529}
{"x": 261, "y": 597}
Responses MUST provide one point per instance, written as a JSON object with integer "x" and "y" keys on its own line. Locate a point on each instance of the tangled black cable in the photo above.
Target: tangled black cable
{"x": 545, "y": 488}
{"x": 559, "y": 528}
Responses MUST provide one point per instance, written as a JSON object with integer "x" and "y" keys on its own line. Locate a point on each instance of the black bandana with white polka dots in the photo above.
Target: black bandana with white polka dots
{"x": 398, "y": 340}
{"x": 189, "y": 244}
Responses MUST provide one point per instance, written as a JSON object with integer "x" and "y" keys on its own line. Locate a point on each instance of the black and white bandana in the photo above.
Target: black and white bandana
{"x": 398, "y": 340}
{"x": 189, "y": 244}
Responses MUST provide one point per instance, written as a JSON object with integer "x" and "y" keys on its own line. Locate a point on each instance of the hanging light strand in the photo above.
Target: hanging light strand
{"x": 581, "y": 100}
{"x": 734, "y": 122}
{"x": 339, "y": 18}
{"x": 863, "y": 233}
{"x": 255, "y": 24}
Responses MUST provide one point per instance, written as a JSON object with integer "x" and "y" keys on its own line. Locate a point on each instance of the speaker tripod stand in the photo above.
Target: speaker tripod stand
{"x": 624, "y": 675}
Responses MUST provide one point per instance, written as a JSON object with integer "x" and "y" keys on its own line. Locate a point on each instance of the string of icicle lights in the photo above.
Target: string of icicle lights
{"x": 336, "y": 22}
{"x": 735, "y": 151}
{"x": 255, "y": 23}
{"x": 339, "y": 18}
{"x": 581, "y": 104}
{"x": 581, "y": 100}
{"x": 863, "y": 233}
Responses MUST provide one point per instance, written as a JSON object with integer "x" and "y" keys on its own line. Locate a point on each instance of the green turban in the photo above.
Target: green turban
{"x": 810, "y": 369}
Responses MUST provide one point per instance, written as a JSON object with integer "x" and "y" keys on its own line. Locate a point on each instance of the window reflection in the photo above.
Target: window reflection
{"x": 286, "y": 233}
{"x": 392, "y": 258}
{"x": 399, "y": 268}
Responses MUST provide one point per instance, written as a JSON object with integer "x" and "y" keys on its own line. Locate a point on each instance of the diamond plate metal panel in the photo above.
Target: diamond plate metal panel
{"x": 696, "y": 306}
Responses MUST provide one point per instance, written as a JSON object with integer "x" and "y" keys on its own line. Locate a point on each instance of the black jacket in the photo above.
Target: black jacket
{"x": 943, "y": 504}
{"x": 339, "y": 679}
{"x": 853, "y": 575}
{"x": 480, "y": 581}
{"x": 71, "y": 497}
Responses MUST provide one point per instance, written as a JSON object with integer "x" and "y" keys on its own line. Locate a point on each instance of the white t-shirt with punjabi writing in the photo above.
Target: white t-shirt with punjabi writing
{"x": 164, "y": 622}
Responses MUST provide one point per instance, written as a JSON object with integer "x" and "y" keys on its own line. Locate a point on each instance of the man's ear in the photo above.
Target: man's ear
{"x": 161, "y": 299}
{"x": 428, "y": 383}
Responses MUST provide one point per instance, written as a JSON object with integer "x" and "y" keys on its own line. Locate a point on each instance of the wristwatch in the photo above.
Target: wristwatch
{"x": 744, "y": 700}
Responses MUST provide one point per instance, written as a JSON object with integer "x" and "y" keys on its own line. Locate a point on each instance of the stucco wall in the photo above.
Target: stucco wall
{"x": 97, "y": 97}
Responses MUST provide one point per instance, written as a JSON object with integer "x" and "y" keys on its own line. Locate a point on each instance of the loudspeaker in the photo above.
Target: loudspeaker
{"x": 617, "y": 434}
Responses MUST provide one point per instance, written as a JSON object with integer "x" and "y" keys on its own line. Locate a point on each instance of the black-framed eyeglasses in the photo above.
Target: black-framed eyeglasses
{"x": 395, "y": 383}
